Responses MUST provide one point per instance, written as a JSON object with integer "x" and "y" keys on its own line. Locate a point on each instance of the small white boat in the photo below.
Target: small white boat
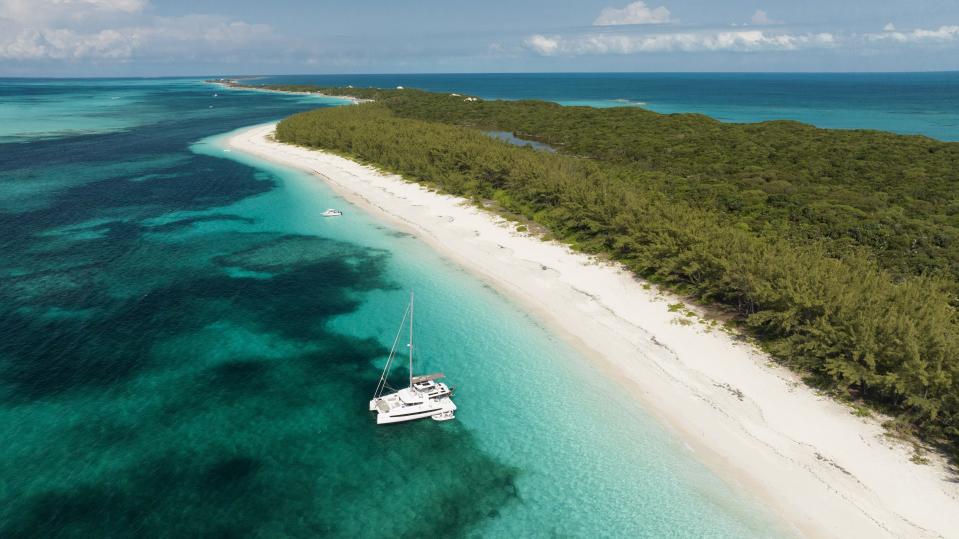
{"x": 444, "y": 416}
{"x": 425, "y": 397}
{"x": 332, "y": 213}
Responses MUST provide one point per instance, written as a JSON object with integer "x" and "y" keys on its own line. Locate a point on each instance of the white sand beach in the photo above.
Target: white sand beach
{"x": 823, "y": 470}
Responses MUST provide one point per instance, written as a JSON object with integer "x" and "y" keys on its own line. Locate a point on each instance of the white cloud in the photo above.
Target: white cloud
{"x": 761, "y": 18}
{"x": 943, "y": 34}
{"x": 736, "y": 40}
{"x": 75, "y": 30}
{"x": 547, "y": 46}
{"x": 635, "y": 13}
{"x": 63, "y": 44}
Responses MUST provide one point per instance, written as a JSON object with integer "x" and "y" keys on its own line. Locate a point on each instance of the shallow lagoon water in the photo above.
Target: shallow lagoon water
{"x": 188, "y": 348}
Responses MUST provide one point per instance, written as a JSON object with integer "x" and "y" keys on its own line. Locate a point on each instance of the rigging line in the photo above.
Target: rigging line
{"x": 411, "y": 338}
{"x": 381, "y": 385}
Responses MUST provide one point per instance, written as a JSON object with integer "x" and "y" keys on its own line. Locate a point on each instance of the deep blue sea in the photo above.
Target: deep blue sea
{"x": 911, "y": 103}
{"x": 187, "y": 348}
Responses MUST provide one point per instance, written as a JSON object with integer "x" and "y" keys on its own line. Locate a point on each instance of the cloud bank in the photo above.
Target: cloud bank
{"x": 98, "y": 37}
{"x": 943, "y": 34}
{"x": 611, "y": 40}
{"x": 616, "y": 41}
{"x": 74, "y": 30}
{"x": 737, "y": 40}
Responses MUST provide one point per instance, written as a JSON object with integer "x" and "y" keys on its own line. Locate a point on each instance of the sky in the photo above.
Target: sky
{"x": 247, "y": 37}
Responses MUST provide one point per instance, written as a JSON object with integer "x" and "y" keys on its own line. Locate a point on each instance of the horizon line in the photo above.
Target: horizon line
{"x": 418, "y": 73}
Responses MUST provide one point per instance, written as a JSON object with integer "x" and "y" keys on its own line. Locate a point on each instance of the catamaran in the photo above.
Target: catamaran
{"x": 425, "y": 397}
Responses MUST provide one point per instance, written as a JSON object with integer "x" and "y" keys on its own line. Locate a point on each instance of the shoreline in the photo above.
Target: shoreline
{"x": 231, "y": 84}
{"x": 824, "y": 471}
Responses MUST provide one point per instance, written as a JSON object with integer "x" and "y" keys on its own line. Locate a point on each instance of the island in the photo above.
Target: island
{"x": 831, "y": 253}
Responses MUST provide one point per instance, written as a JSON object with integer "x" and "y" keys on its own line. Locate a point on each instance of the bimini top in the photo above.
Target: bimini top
{"x": 427, "y": 377}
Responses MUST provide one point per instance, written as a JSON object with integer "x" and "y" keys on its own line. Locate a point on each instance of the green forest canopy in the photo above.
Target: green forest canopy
{"x": 836, "y": 248}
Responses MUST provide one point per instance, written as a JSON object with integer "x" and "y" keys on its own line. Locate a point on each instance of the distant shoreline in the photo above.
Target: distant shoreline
{"x": 235, "y": 84}
{"x": 825, "y": 471}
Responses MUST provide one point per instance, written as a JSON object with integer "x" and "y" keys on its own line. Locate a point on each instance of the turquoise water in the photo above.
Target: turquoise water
{"x": 910, "y": 103}
{"x": 33, "y": 109}
{"x": 188, "y": 350}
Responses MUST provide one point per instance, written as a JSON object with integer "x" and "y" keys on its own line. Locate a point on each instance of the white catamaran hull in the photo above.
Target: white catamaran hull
{"x": 439, "y": 410}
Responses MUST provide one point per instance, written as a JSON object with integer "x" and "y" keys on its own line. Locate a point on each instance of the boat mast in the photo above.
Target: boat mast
{"x": 411, "y": 338}
{"x": 382, "y": 385}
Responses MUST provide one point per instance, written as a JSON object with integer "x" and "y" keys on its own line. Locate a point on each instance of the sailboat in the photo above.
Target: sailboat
{"x": 425, "y": 397}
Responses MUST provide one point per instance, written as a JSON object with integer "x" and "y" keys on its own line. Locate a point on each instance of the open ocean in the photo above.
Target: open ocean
{"x": 910, "y": 103}
{"x": 187, "y": 348}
